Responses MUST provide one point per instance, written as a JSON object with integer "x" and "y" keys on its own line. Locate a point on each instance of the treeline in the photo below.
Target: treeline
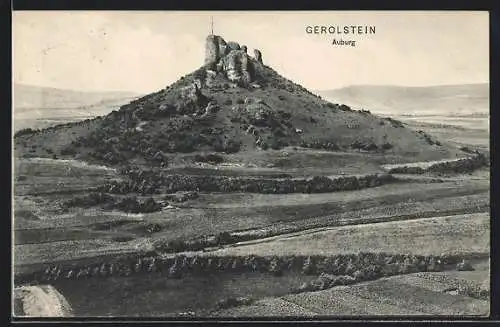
{"x": 333, "y": 270}
{"x": 461, "y": 166}
{"x": 25, "y": 131}
{"x": 202, "y": 243}
{"x": 148, "y": 182}
{"x": 329, "y": 145}
{"x": 129, "y": 204}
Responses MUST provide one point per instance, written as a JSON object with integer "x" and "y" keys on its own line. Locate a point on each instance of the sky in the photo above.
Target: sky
{"x": 146, "y": 51}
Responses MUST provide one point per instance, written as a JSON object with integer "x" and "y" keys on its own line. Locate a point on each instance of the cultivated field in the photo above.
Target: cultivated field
{"x": 426, "y": 236}
{"x": 419, "y": 294}
{"x": 41, "y": 221}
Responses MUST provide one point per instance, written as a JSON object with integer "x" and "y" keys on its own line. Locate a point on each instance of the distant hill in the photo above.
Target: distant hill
{"x": 465, "y": 99}
{"x": 35, "y": 102}
{"x": 232, "y": 103}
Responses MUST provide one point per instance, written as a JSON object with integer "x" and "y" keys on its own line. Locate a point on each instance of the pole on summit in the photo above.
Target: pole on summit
{"x": 211, "y": 25}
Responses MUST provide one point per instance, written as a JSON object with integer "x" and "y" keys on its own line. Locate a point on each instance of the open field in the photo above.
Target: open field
{"x": 39, "y": 219}
{"x": 400, "y": 296}
{"x": 155, "y": 295}
{"x": 445, "y": 100}
{"x": 419, "y": 294}
{"x": 252, "y": 213}
{"x": 452, "y": 234}
{"x": 45, "y": 176}
{"x": 463, "y": 131}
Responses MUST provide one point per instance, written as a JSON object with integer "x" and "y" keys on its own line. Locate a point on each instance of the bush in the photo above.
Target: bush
{"x": 233, "y": 302}
{"x": 152, "y": 228}
{"x": 434, "y": 265}
{"x": 210, "y": 158}
{"x": 321, "y": 144}
{"x": 309, "y": 268}
{"x": 175, "y": 271}
{"x": 464, "y": 266}
{"x": 466, "y": 165}
{"x": 89, "y": 200}
{"x": 132, "y": 205}
{"x": 224, "y": 238}
{"x": 395, "y": 123}
{"x": 123, "y": 238}
{"x": 428, "y": 138}
{"x": 128, "y": 204}
{"x": 386, "y": 146}
{"x": 182, "y": 196}
{"x": 236, "y": 264}
{"x": 68, "y": 151}
{"x": 470, "y": 289}
{"x": 407, "y": 170}
{"x": 325, "y": 281}
{"x": 25, "y": 131}
{"x": 275, "y": 267}
{"x": 364, "y": 145}
{"x": 468, "y": 150}
{"x": 344, "y": 107}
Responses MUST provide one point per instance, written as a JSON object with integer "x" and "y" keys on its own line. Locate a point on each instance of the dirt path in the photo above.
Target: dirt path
{"x": 41, "y": 301}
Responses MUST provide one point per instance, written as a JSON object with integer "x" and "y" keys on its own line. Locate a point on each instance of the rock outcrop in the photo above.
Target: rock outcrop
{"x": 233, "y": 45}
{"x": 238, "y": 67}
{"x": 258, "y": 55}
{"x": 231, "y": 59}
{"x": 215, "y": 48}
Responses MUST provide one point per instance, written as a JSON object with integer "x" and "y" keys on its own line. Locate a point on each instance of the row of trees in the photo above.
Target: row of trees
{"x": 461, "y": 166}
{"x": 151, "y": 182}
{"x": 25, "y": 131}
{"x": 429, "y": 139}
{"x": 365, "y": 145}
{"x": 331, "y": 270}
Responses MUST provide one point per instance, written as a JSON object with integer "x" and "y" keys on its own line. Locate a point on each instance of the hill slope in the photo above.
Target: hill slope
{"x": 233, "y": 103}
{"x": 465, "y": 99}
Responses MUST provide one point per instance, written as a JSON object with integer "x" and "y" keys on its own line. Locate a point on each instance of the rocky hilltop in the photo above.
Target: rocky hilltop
{"x": 231, "y": 59}
{"x": 232, "y": 103}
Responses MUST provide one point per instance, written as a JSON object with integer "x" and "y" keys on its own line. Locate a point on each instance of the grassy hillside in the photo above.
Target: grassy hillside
{"x": 227, "y": 118}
